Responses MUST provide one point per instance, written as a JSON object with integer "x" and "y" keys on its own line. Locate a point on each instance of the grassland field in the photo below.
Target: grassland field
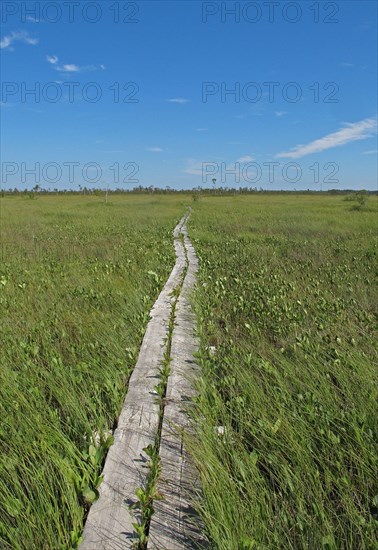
{"x": 286, "y": 413}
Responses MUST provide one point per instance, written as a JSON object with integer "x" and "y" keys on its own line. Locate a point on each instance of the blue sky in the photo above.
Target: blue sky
{"x": 170, "y": 93}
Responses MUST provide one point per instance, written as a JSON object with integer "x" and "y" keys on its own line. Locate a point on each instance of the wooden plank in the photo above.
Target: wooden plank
{"x": 109, "y": 522}
{"x": 175, "y": 524}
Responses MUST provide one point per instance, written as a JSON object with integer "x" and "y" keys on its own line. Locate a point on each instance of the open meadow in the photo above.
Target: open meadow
{"x": 286, "y": 415}
{"x": 77, "y": 280}
{"x": 189, "y": 275}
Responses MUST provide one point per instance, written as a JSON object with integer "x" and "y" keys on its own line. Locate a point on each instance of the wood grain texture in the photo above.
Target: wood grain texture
{"x": 175, "y": 525}
{"x": 109, "y": 522}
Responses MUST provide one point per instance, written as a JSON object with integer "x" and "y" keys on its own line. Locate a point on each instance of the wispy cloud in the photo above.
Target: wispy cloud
{"x": 21, "y": 36}
{"x": 32, "y": 19}
{"x": 246, "y": 158}
{"x": 280, "y": 113}
{"x": 180, "y": 100}
{"x": 351, "y": 132}
{"x": 371, "y": 152}
{"x": 73, "y": 68}
{"x": 68, "y": 68}
{"x": 201, "y": 129}
{"x": 346, "y": 65}
{"x": 52, "y": 59}
{"x": 155, "y": 149}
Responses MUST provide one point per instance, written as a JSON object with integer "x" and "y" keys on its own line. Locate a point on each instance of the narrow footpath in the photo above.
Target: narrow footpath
{"x": 148, "y": 457}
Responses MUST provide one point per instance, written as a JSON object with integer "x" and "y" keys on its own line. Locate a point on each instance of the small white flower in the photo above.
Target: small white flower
{"x": 96, "y": 438}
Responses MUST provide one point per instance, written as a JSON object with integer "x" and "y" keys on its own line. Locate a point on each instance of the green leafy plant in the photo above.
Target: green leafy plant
{"x": 75, "y": 301}
{"x": 285, "y": 407}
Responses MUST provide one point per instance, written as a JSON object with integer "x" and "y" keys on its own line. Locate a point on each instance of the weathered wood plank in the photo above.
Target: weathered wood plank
{"x": 109, "y": 522}
{"x": 175, "y": 525}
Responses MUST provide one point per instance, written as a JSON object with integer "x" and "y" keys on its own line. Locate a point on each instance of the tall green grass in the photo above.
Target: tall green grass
{"x": 287, "y": 409}
{"x": 77, "y": 280}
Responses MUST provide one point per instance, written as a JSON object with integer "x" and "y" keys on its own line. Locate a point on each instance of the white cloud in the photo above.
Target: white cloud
{"x": 280, "y": 113}
{"x": 32, "y": 19}
{"x": 73, "y": 68}
{"x": 180, "y": 100}
{"x": 5, "y": 42}
{"x": 346, "y": 65}
{"x": 201, "y": 130}
{"x": 21, "y": 36}
{"x": 52, "y": 59}
{"x": 351, "y": 132}
{"x": 371, "y": 152}
{"x": 246, "y": 158}
{"x": 69, "y": 68}
{"x": 155, "y": 149}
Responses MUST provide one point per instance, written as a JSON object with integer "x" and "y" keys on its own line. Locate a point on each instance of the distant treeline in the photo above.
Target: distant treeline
{"x": 197, "y": 191}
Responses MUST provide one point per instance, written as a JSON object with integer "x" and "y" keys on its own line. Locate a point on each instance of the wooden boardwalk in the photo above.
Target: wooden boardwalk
{"x": 174, "y": 524}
